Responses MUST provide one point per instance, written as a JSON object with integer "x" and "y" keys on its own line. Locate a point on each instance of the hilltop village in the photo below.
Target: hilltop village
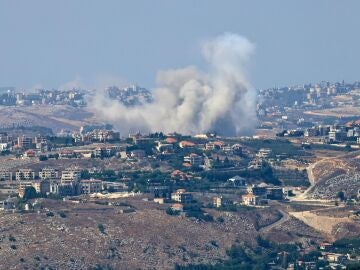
{"x": 285, "y": 198}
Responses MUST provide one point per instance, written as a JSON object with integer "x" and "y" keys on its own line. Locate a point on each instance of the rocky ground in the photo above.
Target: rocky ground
{"x": 56, "y": 117}
{"x": 331, "y": 175}
{"x": 83, "y": 235}
{"x": 329, "y": 189}
{"x": 293, "y": 230}
{"x": 65, "y": 235}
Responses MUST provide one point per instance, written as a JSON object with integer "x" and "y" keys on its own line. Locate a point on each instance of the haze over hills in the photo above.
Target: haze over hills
{"x": 194, "y": 135}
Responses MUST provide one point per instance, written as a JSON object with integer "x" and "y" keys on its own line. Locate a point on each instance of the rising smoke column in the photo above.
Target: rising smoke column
{"x": 192, "y": 101}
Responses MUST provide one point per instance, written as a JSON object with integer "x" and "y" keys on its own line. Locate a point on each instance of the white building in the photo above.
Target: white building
{"x": 5, "y": 175}
{"x": 70, "y": 176}
{"x": 263, "y": 153}
{"x": 250, "y": 199}
{"x": 90, "y": 186}
{"x": 194, "y": 159}
{"x": 48, "y": 173}
{"x": 25, "y": 174}
{"x": 4, "y": 146}
{"x": 181, "y": 196}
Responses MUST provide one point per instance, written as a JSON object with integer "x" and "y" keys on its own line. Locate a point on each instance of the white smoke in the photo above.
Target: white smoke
{"x": 191, "y": 101}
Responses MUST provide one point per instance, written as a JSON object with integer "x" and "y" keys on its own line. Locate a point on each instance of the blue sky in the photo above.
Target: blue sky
{"x": 50, "y": 43}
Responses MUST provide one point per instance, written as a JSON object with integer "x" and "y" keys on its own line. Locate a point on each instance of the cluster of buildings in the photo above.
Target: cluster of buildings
{"x": 327, "y": 253}
{"x": 10, "y": 97}
{"x": 252, "y": 195}
{"x": 91, "y": 134}
{"x": 263, "y": 155}
{"x": 50, "y": 181}
{"x": 292, "y": 107}
{"x": 274, "y": 101}
{"x": 32, "y": 146}
{"x": 178, "y": 198}
{"x": 23, "y": 142}
{"x": 131, "y": 95}
{"x": 346, "y": 133}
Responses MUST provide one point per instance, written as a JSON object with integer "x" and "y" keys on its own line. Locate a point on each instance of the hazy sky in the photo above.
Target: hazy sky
{"x": 50, "y": 43}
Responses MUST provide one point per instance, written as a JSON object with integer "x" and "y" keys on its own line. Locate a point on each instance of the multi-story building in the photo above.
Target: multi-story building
{"x": 337, "y": 135}
{"x": 102, "y": 135}
{"x": 5, "y": 147}
{"x": 250, "y": 199}
{"x": 257, "y": 191}
{"x": 219, "y": 201}
{"x": 104, "y": 151}
{"x": 49, "y": 186}
{"x": 194, "y": 159}
{"x": 24, "y": 184}
{"x": 25, "y": 142}
{"x": 263, "y": 153}
{"x": 25, "y": 174}
{"x": 237, "y": 181}
{"x": 181, "y": 196}
{"x": 42, "y": 146}
{"x": 5, "y": 138}
{"x": 49, "y": 173}
{"x": 311, "y": 132}
{"x": 216, "y": 145}
{"x": 67, "y": 189}
{"x": 70, "y": 176}
{"x": 90, "y": 186}
{"x": 275, "y": 193}
{"x": 5, "y": 175}
{"x": 323, "y": 130}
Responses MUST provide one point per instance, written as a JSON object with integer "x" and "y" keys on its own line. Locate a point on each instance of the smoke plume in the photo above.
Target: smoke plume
{"x": 192, "y": 101}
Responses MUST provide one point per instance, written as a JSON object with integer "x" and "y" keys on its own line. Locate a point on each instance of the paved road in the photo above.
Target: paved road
{"x": 313, "y": 181}
{"x": 285, "y": 217}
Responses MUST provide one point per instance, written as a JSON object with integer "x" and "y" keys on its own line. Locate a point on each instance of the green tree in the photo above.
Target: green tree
{"x": 101, "y": 228}
{"x": 43, "y": 158}
{"x": 30, "y": 193}
{"x": 341, "y": 195}
{"x": 85, "y": 174}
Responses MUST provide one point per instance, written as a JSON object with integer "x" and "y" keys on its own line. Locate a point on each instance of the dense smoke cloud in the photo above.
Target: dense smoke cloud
{"x": 192, "y": 101}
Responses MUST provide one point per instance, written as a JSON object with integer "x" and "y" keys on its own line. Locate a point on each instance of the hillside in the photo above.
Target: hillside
{"x": 332, "y": 175}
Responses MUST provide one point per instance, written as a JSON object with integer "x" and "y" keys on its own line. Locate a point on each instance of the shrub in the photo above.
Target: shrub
{"x": 213, "y": 242}
{"x": 220, "y": 219}
{"x": 172, "y": 212}
{"x": 101, "y": 228}
{"x": 12, "y": 238}
{"x": 49, "y": 214}
{"x": 30, "y": 193}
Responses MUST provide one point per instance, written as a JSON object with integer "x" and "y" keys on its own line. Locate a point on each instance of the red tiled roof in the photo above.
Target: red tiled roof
{"x": 171, "y": 140}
